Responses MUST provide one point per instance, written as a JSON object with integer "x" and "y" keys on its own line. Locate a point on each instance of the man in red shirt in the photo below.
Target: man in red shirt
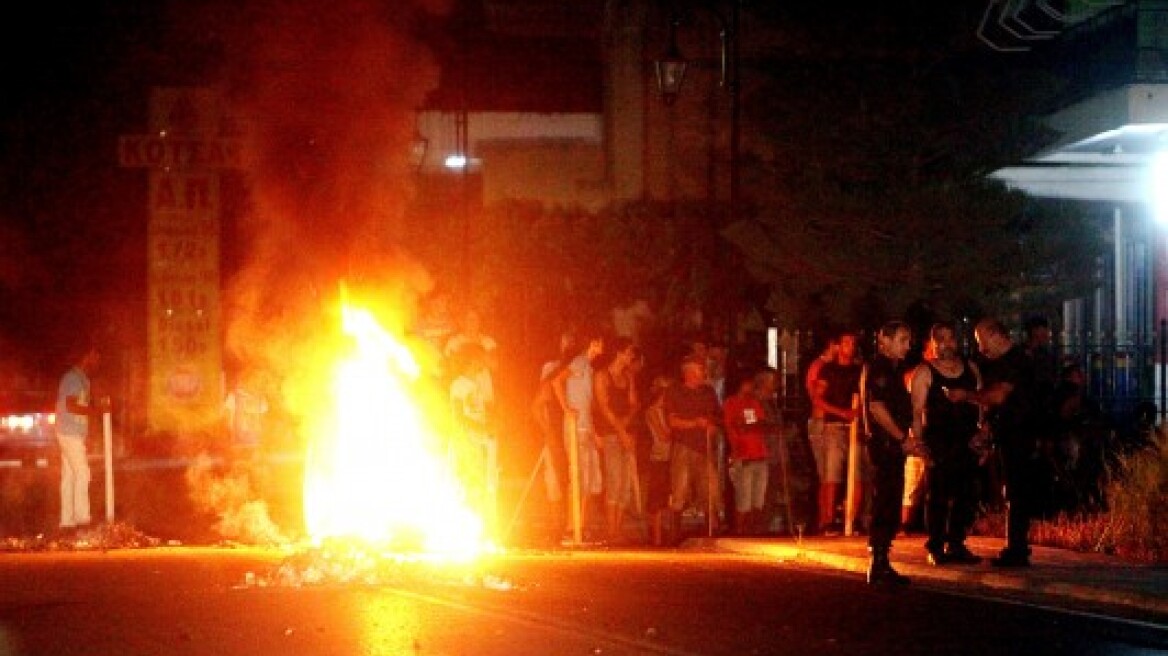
{"x": 744, "y": 416}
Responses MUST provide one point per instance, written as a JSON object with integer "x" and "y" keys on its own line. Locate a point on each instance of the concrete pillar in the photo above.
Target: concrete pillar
{"x": 1072, "y": 322}
{"x": 1160, "y": 255}
{"x": 1122, "y": 282}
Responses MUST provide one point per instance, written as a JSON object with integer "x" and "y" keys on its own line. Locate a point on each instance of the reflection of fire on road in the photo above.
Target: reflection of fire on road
{"x": 376, "y": 469}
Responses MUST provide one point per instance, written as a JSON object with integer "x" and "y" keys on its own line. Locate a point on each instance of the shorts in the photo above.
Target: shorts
{"x": 618, "y": 472}
{"x": 750, "y": 482}
{"x": 915, "y": 483}
{"x": 588, "y": 463}
{"x": 551, "y": 479}
{"x": 689, "y": 469}
{"x": 830, "y": 448}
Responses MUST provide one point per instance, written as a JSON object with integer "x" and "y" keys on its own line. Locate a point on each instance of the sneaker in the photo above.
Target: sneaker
{"x": 1008, "y": 558}
{"x": 961, "y": 555}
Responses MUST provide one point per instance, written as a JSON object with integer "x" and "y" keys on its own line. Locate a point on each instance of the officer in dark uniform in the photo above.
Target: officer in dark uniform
{"x": 888, "y": 418}
{"x": 1008, "y": 395}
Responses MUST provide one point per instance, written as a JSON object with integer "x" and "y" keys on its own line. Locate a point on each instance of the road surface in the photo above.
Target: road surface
{"x": 198, "y": 600}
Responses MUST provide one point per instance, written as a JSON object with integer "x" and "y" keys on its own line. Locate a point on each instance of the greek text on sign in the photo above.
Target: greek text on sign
{"x": 183, "y": 193}
{"x": 170, "y": 152}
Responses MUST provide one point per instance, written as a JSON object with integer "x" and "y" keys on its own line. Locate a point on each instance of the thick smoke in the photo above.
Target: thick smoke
{"x": 327, "y": 95}
{"x": 230, "y": 496}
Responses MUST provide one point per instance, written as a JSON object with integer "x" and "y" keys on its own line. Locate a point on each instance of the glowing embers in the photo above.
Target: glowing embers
{"x": 376, "y": 468}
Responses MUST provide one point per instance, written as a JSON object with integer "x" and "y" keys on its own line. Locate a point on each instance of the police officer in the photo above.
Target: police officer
{"x": 888, "y": 417}
{"x": 1008, "y": 396}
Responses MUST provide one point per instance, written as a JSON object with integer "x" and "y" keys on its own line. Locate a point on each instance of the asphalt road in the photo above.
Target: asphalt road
{"x": 202, "y": 601}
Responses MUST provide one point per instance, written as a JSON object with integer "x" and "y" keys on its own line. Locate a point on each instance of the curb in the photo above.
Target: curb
{"x": 995, "y": 580}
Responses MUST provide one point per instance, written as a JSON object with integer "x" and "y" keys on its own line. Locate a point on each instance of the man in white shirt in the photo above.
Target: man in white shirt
{"x": 73, "y": 409}
{"x": 471, "y": 333}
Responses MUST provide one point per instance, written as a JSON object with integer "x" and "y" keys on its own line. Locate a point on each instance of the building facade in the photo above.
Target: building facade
{"x": 1112, "y": 137}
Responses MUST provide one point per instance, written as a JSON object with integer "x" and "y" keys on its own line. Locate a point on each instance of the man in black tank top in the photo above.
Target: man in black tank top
{"x": 947, "y": 428}
{"x": 616, "y": 405}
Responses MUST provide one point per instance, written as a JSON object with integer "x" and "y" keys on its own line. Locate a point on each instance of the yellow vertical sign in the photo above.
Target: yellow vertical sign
{"x": 183, "y": 151}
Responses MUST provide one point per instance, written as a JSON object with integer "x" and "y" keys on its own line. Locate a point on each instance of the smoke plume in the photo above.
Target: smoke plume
{"x": 326, "y": 94}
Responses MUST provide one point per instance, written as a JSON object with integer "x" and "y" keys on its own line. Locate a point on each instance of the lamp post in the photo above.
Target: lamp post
{"x": 670, "y": 71}
{"x": 1157, "y": 185}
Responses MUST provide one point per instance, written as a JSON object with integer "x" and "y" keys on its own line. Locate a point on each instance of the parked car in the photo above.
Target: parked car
{"x": 27, "y": 420}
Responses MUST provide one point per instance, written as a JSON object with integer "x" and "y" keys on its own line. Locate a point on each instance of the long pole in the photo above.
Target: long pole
{"x": 732, "y": 43}
{"x": 108, "y": 452}
{"x": 711, "y": 483}
{"x": 1163, "y": 369}
{"x": 853, "y": 470}
{"x": 574, "y": 477}
{"x": 784, "y": 472}
{"x": 540, "y": 463}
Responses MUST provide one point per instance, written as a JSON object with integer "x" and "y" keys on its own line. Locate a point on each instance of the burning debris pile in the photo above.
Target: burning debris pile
{"x": 352, "y": 562}
{"x": 118, "y": 535}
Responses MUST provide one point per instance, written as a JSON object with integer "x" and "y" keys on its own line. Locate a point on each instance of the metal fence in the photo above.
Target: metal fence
{"x": 1122, "y": 372}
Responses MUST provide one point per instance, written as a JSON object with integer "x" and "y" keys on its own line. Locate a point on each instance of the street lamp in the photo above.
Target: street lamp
{"x": 671, "y": 73}
{"x": 671, "y": 68}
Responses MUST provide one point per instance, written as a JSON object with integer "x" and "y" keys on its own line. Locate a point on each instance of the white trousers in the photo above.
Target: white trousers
{"x": 74, "y": 481}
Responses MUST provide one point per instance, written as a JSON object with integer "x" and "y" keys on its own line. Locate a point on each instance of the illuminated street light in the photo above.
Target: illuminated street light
{"x": 1158, "y": 186}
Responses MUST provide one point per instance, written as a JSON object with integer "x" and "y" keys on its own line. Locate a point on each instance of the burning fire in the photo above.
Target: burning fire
{"x": 377, "y": 469}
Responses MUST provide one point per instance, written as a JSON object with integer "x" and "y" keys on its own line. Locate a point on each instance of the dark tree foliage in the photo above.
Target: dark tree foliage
{"x": 869, "y": 142}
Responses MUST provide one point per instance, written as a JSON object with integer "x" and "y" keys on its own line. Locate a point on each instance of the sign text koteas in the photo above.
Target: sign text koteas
{"x": 183, "y": 153}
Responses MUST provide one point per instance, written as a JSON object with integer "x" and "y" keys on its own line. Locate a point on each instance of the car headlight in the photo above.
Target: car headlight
{"x": 19, "y": 423}
{"x": 22, "y": 423}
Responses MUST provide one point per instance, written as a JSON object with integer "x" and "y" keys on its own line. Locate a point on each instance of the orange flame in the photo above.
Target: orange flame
{"x": 374, "y": 469}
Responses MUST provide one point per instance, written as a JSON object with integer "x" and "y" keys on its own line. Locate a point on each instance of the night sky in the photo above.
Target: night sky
{"x": 76, "y": 75}
{"x": 73, "y": 80}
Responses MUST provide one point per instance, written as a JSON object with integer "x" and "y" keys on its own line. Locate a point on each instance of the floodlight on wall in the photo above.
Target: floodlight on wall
{"x": 455, "y": 161}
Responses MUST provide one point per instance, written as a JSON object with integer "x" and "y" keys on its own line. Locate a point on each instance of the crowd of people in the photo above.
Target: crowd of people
{"x": 661, "y": 450}
{"x": 703, "y": 436}
{"x": 919, "y": 442}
